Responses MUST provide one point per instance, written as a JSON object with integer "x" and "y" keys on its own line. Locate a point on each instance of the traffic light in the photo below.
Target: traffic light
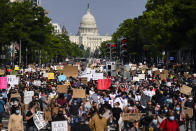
{"x": 123, "y": 48}
{"x": 108, "y": 50}
{"x": 113, "y": 51}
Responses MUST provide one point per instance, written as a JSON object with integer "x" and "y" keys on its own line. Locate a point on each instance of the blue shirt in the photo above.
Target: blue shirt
{"x": 2, "y": 103}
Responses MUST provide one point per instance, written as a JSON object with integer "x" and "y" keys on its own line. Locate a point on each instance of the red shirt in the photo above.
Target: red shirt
{"x": 169, "y": 125}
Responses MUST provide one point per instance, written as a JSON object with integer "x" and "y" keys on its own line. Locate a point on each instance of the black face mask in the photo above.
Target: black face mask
{"x": 60, "y": 113}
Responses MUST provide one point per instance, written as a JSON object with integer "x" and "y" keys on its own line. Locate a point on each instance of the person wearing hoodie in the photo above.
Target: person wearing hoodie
{"x": 98, "y": 122}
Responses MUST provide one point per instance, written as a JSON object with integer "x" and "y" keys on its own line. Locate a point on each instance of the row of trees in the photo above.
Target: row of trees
{"x": 165, "y": 25}
{"x": 23, "y": 22}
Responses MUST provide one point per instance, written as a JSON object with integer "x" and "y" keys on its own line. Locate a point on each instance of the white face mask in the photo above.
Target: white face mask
{"x": 190, "y": 98}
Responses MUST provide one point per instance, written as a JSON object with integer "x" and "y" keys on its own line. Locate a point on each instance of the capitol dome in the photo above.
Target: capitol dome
{"x": 88, "y": 24}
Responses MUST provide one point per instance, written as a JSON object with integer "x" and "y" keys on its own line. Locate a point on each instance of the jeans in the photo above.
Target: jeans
{"x": 32, "y": 128}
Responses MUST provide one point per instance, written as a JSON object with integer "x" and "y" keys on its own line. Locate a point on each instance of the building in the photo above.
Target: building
{"x": 88, "y": 33}
{"x": 57, "y": 28}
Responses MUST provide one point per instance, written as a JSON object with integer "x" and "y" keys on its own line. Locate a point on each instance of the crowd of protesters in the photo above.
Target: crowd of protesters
{"x": 162, "y": 105}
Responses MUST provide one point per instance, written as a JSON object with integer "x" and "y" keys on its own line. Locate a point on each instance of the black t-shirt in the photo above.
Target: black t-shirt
{"x": 116, "y": 112}
{"x": 80, "y": 127}
{"x": 30, "y": 122}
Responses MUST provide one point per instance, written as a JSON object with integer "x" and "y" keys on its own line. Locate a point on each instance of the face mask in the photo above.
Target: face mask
{"x": 86, "y": 122}
{"x": 15, "y": 103}
{"x": 154, "y": 121}
{"x": 177, "y": 108}
{"x": 171, "y": 118}
{"x": 190, "y": 98}
{"x": 124, "y": 97}
{"x": 17, "y": 112}
{"x": 75, "y": 103}
{"x": 166, "y": 111}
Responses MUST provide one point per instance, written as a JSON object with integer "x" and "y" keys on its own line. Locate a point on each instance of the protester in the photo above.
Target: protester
{"x": 170, "y": 124}
{"x": 16, "y": 121}
{"x": 153, "y": 100}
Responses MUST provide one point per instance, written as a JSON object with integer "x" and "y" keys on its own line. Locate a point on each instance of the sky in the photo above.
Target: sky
{"x": 108, "y": 13}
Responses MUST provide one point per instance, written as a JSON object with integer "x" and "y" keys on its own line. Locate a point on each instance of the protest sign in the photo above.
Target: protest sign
{"x": 62, "y": 78}
{"x": 12, "y": 80}
{"x": 154, "y": 69}
{"x": 97, "y": 76}
{"x": 62, "y": 89}
{"x": 79, "y": 93}
{"x": 37, "y": 82}
{"x": 84, "y": 80}
{"x": 157, "y": 72}
{"x": 2, "y": 72}
{"x": 32, "y": 66}
{"x": 104, "y": 84}
{"x": 39, "y": 120}
{"x": 189, "y": 112}
{"x": 186, "y": 90}
{"x": 69, "y": 71}
{"x": 133, "y": 116}
{"x": 163, "y": 76}
{"x": 28, "y": 96}
{"x": 136, "y": 79}
{"x": 186, "y": 75}
{"x": 141, "y": 76}
{"x": 165, "y": 71}
{"x": 50, "y": 76}
{"x": 59, "y": 126}
{"x": 67, "y": 83}
{"x": 16, "y": 68}
{"x": 16, "y": 95}
{"x": 3, "y": 82}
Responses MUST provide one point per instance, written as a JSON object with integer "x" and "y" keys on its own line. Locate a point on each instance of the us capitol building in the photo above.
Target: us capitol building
{"x": 88, "y": 33}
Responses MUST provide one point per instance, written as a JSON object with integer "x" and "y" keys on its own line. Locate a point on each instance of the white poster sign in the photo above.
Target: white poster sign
{"x": 39, "y": 120}
{"x": 59, "y": 126}
{"x": 12, "y": 80}
{"x": 97, "y": 76}
{"x": 141, "y": 76}
{"x": 136, "y": 78}
{"x": 28, "y": 96}
{"x": 37, "y": 82}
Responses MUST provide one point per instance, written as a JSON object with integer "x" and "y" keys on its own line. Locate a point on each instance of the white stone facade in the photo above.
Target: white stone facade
{"x": 88, "y": 33}
{"x": 57, "y": 28}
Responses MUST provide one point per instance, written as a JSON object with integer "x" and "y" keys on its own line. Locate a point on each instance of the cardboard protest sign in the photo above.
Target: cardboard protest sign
{"x": 67, "y": 83}
{"x": 70, "y": 71}
{"x": 97, "y": 76}
{"x": 84, "y": 80}
{"x": 157, "y": 72}
{"x": 163, "y": 76}
{"x": 133, "y": 116}
{"x": 186, "y": 90}
{"x": 28, "y": 96}
{"x": 16, "y": 95}
{"x": 104, "y": 84}
{"x": 189, "y": 112}
{"x": 2, "y": 72}
{"x": 62, "y": 78}
{"x": 62, "y": 89}
{"x": 39, "y": 120}
{"x": 32, "y": 66}
{"x": 3, "y": 82}
{"x": 186, "y": 75}
{"x": 165, "y": 71}
{"x": 79, "y": 93}
{"x": 59, "y": 126}
{"x": 12, "y": 80}
{"x": 50, "y": 76}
